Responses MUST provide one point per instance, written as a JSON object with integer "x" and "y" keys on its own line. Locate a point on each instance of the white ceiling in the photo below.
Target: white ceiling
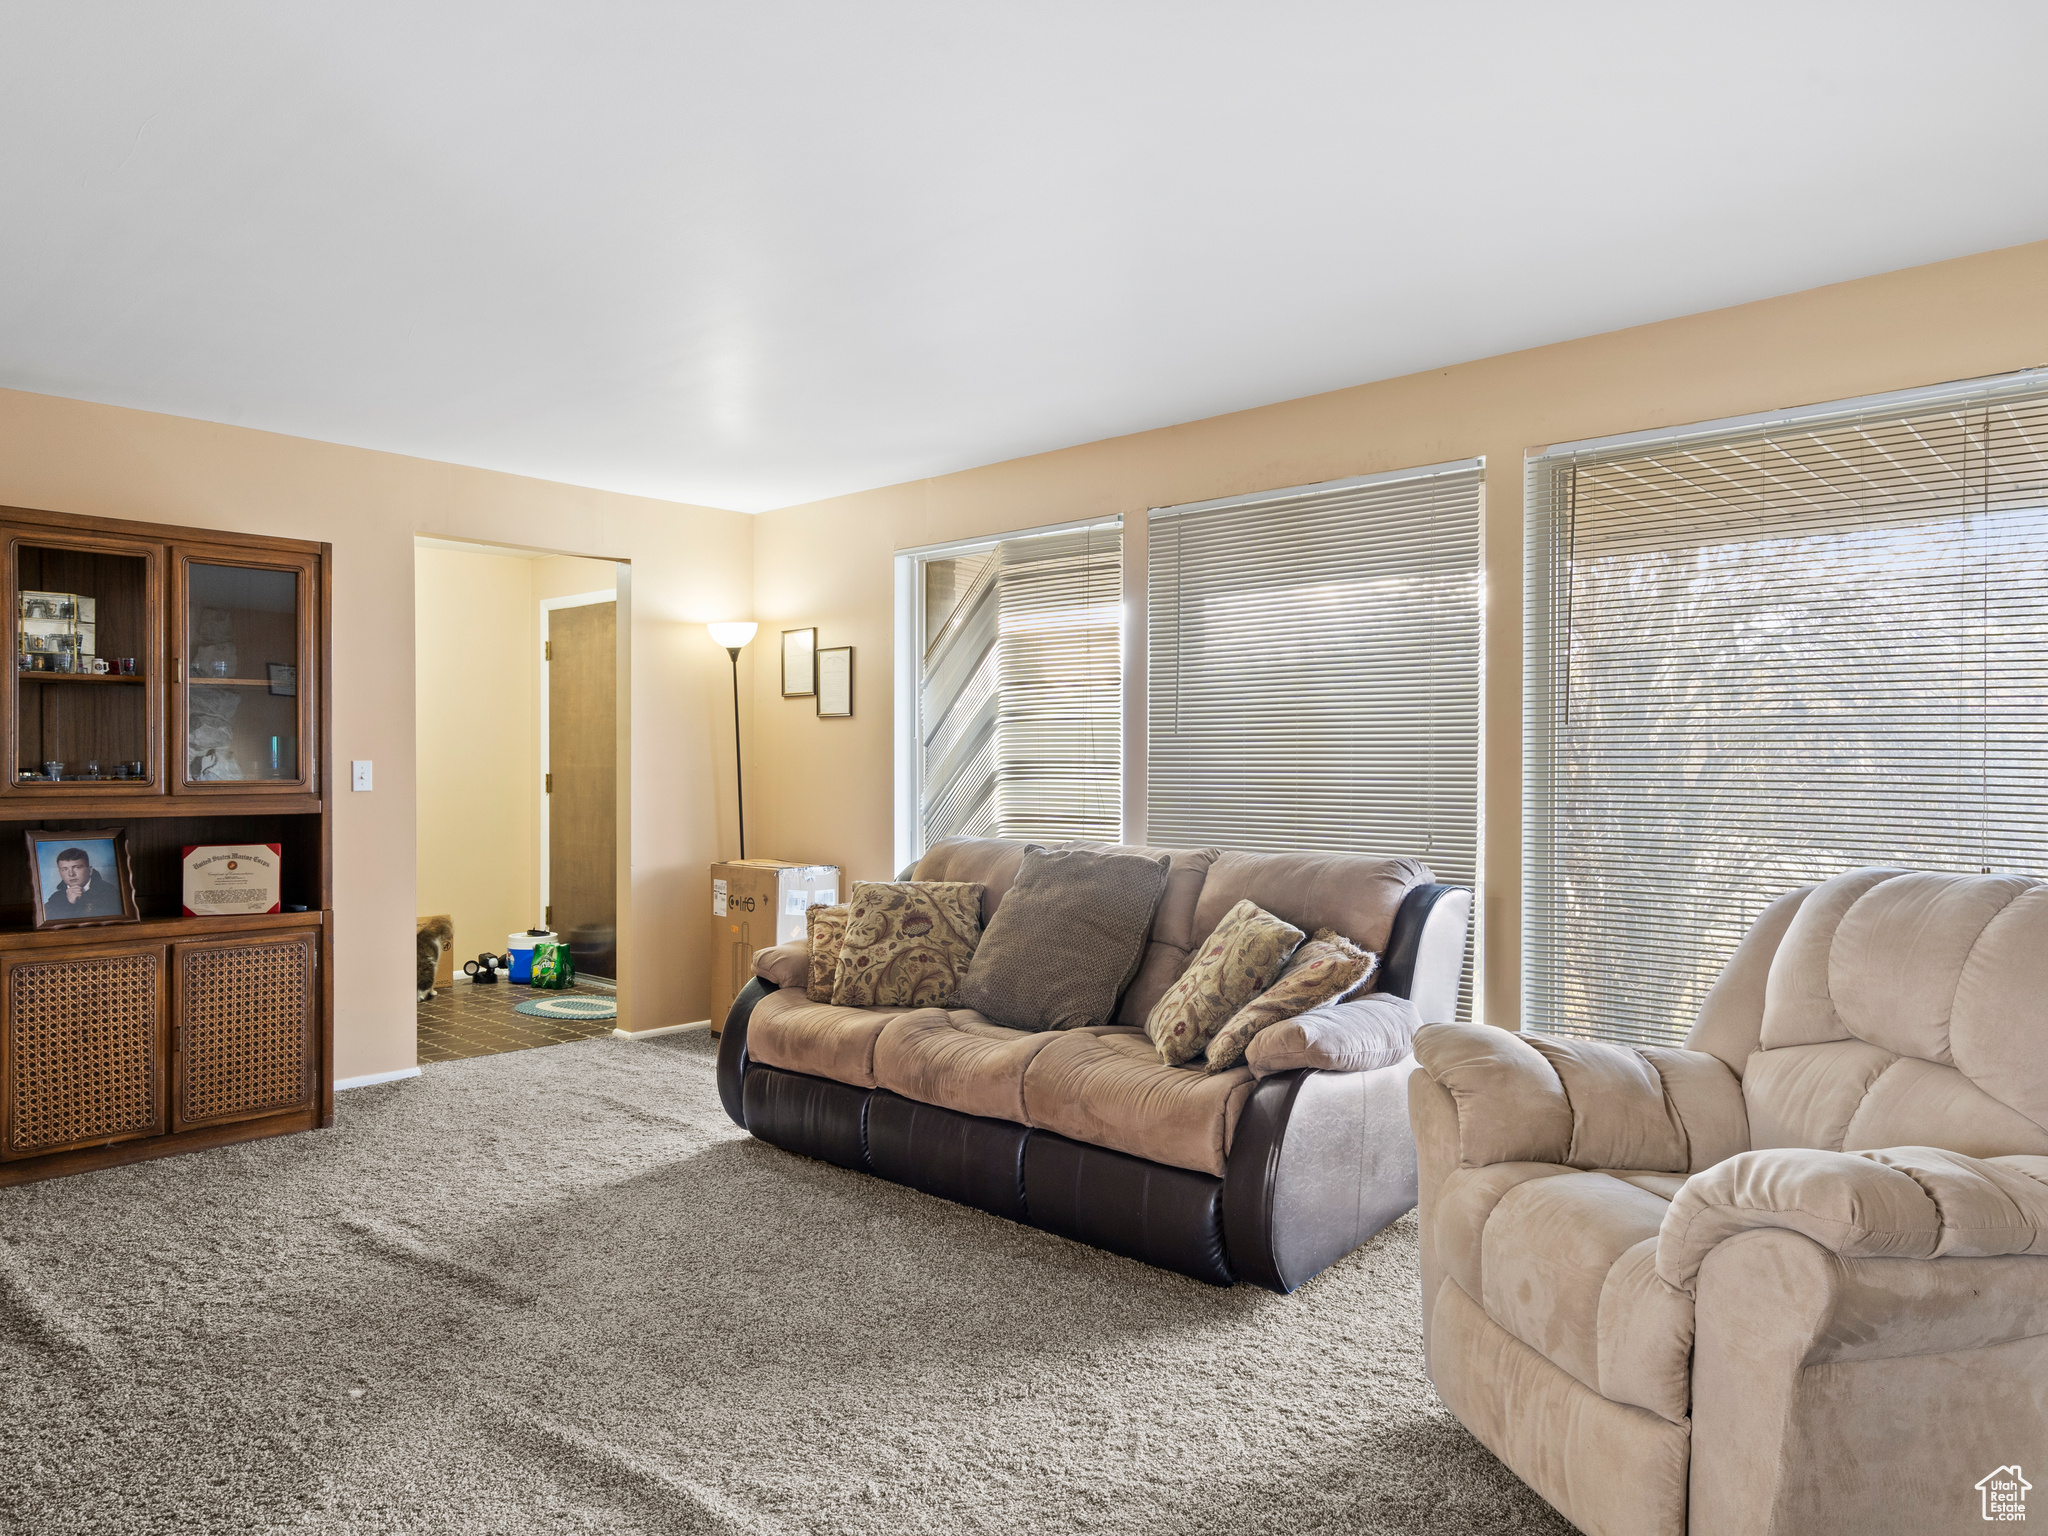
{"x": 754, "y": 254}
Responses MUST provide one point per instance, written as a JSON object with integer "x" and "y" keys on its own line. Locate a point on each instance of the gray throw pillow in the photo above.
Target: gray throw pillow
{"x": 1067, "y": 939}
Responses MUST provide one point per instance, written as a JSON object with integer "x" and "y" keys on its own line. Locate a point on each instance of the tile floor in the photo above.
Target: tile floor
{"x": 469, "y": 1020}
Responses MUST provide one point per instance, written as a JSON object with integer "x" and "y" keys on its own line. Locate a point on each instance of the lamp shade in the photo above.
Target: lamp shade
{"x": 733, "y": 634}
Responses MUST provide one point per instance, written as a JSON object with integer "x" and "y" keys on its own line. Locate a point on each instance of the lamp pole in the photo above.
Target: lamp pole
{"x": 739, "y": 782}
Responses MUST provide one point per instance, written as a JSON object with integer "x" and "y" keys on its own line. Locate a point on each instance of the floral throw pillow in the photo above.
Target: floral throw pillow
{"x": 825, "y": 927}
{"x": 907, "y": 944}
{"x": 1235, "y": 964}
{"x": 1327, "y": 967}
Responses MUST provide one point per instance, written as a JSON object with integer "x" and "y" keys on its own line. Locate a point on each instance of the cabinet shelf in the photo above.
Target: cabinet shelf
{"x": 95, "y": 678}
{"x": 19, "y": 935}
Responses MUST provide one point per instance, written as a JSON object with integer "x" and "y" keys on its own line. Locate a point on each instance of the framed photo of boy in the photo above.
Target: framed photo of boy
{"x": 799, "y": 663}
{"x": 82, "y": 879}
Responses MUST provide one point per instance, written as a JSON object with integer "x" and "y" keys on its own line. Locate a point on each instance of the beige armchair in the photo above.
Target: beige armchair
{"x": 1790, "y": 1279}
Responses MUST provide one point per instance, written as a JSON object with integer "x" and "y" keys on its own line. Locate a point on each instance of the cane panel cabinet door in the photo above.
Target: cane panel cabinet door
{"x": 82, "y": 1035}
{"x": 85, "y": 715}
{"x": 244, "y": 1012}
{"x": 242, "y": 647}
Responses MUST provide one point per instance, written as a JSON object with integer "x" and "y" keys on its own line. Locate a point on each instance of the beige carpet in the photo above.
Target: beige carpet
{"x": 557, "y": 1291}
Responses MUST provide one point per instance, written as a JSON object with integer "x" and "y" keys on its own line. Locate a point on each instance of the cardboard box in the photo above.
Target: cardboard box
{"x": 755, "y": 905}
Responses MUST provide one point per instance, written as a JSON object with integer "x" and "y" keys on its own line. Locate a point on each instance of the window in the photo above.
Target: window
{"x": 1761, "y": 657}
{"x": 1019, "y": 687}
{"x": 1314, "y": 671}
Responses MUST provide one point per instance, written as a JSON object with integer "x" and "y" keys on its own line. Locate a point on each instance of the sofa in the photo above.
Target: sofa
{"x": 1224, "y": 1177}
{"x": 1791, "y": 1277}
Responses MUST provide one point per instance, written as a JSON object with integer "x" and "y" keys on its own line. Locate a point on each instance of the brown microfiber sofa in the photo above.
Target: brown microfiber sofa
{"x": 1086, "y": 1132}
{"x": 1790, "y": 1279}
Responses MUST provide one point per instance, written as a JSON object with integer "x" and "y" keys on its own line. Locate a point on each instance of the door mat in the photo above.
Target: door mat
{"x": 569, "y": 1008}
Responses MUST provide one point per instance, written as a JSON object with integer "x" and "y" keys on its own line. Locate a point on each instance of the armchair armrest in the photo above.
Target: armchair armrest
{"x": 1511, "y": 1106}
{"x": 1583, "y": 1103}
{"x": 786, "y": 965}
{"x": 1903, "y": 1202}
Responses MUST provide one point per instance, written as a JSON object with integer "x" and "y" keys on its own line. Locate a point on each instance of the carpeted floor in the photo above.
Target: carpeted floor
{"x": 557, "y": 1291}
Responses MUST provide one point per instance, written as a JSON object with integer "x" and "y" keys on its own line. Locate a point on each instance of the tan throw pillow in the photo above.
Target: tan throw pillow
{"x": 907, "y": 945}
{"x": 825, "y": 927}
{"x": 1327, "y": 967}
{"x": 1235, "y": 964}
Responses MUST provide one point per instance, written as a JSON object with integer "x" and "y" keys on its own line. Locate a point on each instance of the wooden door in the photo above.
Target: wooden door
{"x": 101, "y": 599}
{"x": 582, "y": 787}
{"x": 81, "y": 1047}
{"x": 244, "y": 714}
{"x": 243, "y": 1012}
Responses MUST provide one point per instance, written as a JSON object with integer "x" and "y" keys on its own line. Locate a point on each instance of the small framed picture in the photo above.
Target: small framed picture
{"x": 835, "y": 682}
{"x": 82, "y": 879}
{"x": 799, "y": 663}
{"x": 284, "y": 680}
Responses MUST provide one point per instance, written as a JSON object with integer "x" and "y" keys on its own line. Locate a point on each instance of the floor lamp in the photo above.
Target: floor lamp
{"x": 734, "y": 636}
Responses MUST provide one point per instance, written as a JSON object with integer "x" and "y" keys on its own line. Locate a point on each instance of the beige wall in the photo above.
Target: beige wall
{"x": 689, "y": 565}
{"x": 825, "y": 786}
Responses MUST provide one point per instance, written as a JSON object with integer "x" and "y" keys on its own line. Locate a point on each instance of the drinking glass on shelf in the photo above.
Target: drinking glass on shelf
{"x": 92, "y": 767}
{"x": 53, "y": 771}
{"x": 135, "y": 770}
{"x": 125, "y": 665}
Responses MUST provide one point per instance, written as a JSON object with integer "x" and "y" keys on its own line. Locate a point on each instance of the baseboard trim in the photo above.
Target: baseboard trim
{"x": 370, "y": 1080}
{"x": 665, "y": 1029}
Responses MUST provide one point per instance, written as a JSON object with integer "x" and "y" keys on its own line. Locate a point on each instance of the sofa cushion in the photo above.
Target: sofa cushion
{"x": 1110, "y": 1089}
{"x": 989, "y": 862}
{"x": 1359, "y": 1036}
{"x": 824, "y": 931}
{"x": 1568, "y": 1267}
{"x": 789, "y": 1030}
{"x": 1326, "y": 967}
{"x": 957, "y": 1060}
{"x": 908, "y": 944}
{"x": 1066, "y": 940}
{"x": 1241, "y": 959}
{"x": 1357, "y": 894}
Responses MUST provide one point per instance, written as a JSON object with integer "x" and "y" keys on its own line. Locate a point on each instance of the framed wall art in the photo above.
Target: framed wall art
{"x": 799, "y": 663}
{"x": 835, "y": 682}
{"x": 81, "y": 879}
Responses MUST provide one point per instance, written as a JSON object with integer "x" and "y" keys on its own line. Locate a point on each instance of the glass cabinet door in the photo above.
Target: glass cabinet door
{"x": 86, "y": 709}
{"x": 243, "y": 631}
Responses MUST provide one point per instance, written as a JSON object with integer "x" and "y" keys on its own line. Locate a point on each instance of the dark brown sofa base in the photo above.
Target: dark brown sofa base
{"x": 1321, "y": 1161}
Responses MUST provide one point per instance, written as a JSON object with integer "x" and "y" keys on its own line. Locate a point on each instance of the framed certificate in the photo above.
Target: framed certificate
{"x": 799, "y": 663}
{"x": 222, "y": 879}
{"x": 835, "y": 682}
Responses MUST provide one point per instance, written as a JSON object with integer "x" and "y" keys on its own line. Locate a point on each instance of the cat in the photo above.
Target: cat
{"x": 433, "y": 938}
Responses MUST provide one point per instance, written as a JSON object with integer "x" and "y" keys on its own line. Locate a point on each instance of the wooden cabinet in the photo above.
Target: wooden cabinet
{"x": 171, "y": 681}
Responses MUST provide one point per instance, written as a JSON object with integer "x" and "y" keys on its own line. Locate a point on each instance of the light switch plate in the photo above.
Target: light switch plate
{"x": 362, "y": 773}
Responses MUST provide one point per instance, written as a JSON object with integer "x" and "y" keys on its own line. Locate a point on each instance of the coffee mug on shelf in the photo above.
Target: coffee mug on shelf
{"x": 101, "y": 665}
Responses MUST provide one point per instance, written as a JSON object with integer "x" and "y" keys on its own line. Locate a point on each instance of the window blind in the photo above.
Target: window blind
{"x": 1020, "y": 697}
{"x": 1761, "y": 659}
{"x": 1314, "y": 672}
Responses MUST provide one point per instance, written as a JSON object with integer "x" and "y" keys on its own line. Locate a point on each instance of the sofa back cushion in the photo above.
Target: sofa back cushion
{"x": 1356, "y": 894}
{"x": 1907, "y": 1009}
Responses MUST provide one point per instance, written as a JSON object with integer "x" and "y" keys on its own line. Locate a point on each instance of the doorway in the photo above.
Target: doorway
{"x": 521, "y": 682}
